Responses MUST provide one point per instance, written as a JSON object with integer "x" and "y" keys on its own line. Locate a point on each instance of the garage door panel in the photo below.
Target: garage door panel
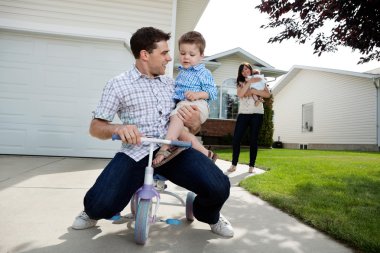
{"x": 12, "y": 47}
{"x": 96, "y": 80}
{"x": 60, "y": 79}
{"x": 63, "y": 51}
{"x": 100, "y": 148}
{"x": 8, "y": 73}
{"x": 55, "y": 139}
{"x": 13, "y": 139}
{"x": 13, "y": 108}
{"x": 58, "y": 111}
{"x": 51, "y": 140}
{"x": 108, "y": 55}
{"x": 49, "y": 87}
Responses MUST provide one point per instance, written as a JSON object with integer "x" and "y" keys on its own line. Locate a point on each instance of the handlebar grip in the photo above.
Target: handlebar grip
{"x": 181, "y": 144}
{"x": 115, "y": 137}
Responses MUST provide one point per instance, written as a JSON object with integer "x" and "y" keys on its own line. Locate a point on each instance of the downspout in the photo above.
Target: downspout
{"x": 376, "y": 82}
{"x": 170, "y": 66}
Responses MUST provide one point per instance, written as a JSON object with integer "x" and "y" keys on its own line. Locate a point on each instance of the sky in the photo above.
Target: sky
{"x": 227, "y": 24}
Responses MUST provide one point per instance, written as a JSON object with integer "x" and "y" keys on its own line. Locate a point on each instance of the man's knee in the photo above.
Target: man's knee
{"x": 221, "y": 190}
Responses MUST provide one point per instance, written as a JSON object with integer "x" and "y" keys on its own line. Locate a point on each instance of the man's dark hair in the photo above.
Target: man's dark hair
{"x": 146, "y": 38}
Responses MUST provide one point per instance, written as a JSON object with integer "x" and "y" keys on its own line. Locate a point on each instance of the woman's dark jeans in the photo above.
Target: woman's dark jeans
{"x": 191, "y": 169}
{"x": 243, "y": 121}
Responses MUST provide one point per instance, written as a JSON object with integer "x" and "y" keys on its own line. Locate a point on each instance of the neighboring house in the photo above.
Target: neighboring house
{"x": 318, "y": 108}
{"x": 55, "y": 58}
{"x": 224, "y": 67}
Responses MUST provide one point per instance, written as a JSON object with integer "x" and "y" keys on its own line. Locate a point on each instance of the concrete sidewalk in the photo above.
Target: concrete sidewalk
{"x": 40, "y": 196}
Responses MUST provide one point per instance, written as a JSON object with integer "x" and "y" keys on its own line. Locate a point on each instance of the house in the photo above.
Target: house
{"x": 319, "y": 108}
{"x": 223, "y": 111}
{"x": 55, "y": 58}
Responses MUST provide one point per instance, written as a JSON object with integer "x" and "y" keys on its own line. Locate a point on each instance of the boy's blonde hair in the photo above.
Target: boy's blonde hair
{"x": 193, "y": 37}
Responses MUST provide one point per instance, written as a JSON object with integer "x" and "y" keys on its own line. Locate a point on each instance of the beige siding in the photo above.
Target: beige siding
{"x": 188, "y": 15}
{"x": 344, "y": 109}
{"x": 228, "y": 69}
{"x": 118, "y": 15}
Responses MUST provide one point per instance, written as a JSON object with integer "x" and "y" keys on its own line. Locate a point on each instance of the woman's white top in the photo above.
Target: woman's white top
{"x": 247, "y": 106}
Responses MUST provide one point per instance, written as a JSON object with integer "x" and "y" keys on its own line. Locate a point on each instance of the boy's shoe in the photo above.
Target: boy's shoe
{"x": 82, "y": 221}
{"x": 251, "y": 169}
{"x": 212, "y": 156}
{"x": 222, "y": 227}
{"x": 160, "y": 185}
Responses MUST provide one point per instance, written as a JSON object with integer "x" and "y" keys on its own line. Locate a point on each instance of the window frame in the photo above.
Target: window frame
{"x": 225, "y": 109}
{"x": 307, "y": 117}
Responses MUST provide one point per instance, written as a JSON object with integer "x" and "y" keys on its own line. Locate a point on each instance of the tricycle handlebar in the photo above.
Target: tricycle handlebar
{"x": 162, "y": 141}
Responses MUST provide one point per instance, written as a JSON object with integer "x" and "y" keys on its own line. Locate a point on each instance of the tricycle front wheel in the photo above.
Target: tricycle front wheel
{"x": 143, "y": 220}
{"x": 189, "y": 206}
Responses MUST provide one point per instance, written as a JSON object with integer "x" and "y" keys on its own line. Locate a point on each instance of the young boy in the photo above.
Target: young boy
{"x": 194, "y": 86}
{"x": 257, "y": 85}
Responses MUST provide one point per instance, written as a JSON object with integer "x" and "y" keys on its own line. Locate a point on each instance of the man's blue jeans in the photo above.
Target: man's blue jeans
{"x": 191, "y": 169}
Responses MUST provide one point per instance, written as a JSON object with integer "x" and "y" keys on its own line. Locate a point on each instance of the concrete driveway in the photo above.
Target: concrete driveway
{"x": 40, "y": 196}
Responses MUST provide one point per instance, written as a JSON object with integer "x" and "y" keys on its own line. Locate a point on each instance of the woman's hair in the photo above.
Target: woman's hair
{"x": 146, "y": 38}
{"x": 193, "y": 37}
{"x": 240, "y": 77}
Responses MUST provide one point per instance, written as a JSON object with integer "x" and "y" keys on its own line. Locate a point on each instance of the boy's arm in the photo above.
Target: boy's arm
{"x": 208, "y": 86}
{"x": 196, "y": 95}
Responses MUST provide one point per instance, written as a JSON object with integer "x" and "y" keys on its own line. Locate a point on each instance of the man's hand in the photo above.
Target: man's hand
{"x": 190, "y": 116}
{"x": 128, "y": 134}
{"x": 103, "y": 130}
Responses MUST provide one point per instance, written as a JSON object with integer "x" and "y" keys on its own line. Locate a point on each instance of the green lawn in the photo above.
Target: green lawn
{"x": 337, "y": 192}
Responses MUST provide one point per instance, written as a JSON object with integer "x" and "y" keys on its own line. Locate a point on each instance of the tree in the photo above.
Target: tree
{"x": 266, "y": 131}
{"x": 265, "y": 139}
{"x": 354, "y": 23}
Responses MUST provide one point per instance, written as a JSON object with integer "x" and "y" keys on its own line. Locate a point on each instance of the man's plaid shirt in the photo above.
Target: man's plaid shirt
{"x": 141, "y": 101}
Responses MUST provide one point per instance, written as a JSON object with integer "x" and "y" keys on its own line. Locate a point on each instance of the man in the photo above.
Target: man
{"x": 142, "y": 98}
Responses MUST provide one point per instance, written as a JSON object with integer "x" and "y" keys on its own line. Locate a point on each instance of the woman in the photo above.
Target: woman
{"x": 249, "y": 115}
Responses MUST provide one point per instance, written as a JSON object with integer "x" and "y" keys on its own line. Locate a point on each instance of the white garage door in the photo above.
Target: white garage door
{"x": 49, "y": 87}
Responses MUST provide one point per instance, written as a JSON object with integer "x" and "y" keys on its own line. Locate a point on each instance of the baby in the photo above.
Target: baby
{"x": 257, "y": 85}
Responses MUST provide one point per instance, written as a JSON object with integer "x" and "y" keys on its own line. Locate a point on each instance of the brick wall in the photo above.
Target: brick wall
{"x": 217, "y": 128}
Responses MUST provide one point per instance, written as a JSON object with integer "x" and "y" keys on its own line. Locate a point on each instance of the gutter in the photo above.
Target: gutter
{"x": 376, "y": 82}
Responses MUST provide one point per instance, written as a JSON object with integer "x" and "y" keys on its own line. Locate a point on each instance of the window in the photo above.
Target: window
{"x": 226, "y": 105}
{"x": 307, "y": 117}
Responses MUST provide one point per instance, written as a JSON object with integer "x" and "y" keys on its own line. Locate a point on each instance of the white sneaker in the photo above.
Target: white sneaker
{"x": 82, "y": 221}
{"x": 222, "y": 227}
